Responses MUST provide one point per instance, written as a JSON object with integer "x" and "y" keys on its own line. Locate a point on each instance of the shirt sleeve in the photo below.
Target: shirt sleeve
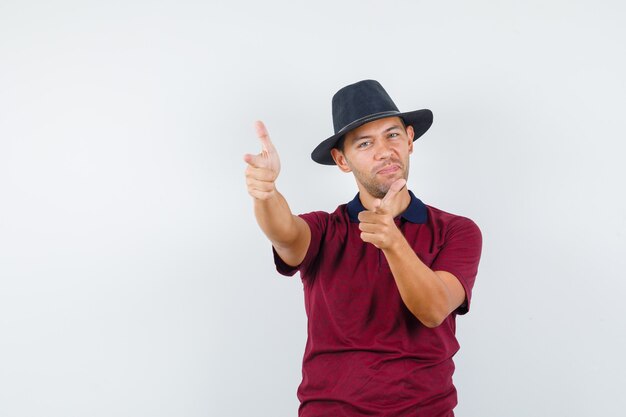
{"x": 317, "y": 222}
{"x": 460, "y": 256}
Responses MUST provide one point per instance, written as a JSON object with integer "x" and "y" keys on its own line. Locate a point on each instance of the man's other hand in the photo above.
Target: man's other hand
{"x": 377, "y": 226}
{"x": 263, "y": 168}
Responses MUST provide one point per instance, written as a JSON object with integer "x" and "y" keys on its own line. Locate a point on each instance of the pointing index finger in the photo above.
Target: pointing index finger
{"x": 393, "y": 192}
{"x": 264, "y": 137}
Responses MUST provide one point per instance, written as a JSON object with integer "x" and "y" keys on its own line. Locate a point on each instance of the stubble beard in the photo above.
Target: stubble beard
{"x": 372, "y": 185}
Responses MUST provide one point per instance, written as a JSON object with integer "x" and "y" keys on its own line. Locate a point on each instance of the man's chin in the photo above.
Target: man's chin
{"x": 381, "y": 191}
{"x": 378, "y": 187}
{"x": 388, "y": 182}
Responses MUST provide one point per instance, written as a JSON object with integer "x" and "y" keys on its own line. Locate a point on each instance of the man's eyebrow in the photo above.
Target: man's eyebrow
{"x": 390, "y": 128}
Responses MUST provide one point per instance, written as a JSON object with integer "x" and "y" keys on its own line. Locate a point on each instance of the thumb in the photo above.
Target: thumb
{"x": 393, "y": 192}
{"x": 254, "y": 160}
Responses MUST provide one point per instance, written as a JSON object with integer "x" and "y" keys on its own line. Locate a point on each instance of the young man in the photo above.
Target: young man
{"x": 384, "y": 275}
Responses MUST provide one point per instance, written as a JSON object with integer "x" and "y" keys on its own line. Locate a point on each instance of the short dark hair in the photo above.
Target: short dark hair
{"x": 342, "y": 140}
{"x": 340, "y": 143}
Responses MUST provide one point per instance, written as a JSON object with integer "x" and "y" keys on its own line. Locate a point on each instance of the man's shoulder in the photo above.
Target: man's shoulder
{"x": 444, "y": 218}
{"x": 452, "y": 230}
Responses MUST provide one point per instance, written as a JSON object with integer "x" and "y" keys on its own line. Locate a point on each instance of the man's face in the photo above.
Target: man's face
{"x": 377, "y": 153}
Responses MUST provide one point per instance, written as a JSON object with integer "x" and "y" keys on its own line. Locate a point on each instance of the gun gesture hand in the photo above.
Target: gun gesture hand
{"x": 377, "y": 226}
{"x": 263, "y": 168}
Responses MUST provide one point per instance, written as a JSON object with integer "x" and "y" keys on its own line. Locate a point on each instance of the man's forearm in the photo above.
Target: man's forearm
{"x": 275, "y": 219}
{"x": 422, "y": 290}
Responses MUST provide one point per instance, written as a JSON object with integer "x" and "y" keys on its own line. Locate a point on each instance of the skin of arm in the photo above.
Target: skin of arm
{"x": 289, "y": 234}
{"x": 430, "y": 295}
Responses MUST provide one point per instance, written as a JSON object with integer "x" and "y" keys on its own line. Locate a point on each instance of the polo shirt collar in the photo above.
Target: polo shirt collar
{"x": 415, "y": 213}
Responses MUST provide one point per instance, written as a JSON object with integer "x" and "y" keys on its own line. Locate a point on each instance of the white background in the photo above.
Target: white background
{"x": 133, "y": 278}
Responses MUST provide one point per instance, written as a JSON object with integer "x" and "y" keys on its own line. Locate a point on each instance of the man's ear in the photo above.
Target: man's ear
{"x": 340, "y": 160}
{"x": 411, "y": 134}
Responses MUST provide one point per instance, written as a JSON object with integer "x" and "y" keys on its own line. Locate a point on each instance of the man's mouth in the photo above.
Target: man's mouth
{"x": 389, "y": 169}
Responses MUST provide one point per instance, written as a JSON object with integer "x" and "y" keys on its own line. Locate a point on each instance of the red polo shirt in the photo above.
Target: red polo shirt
{"x": 366, "y": 353}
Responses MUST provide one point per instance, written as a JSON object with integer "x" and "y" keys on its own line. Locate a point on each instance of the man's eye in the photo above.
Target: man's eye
{"x": 393, "y": 135}
{"x": 363, "y": 144}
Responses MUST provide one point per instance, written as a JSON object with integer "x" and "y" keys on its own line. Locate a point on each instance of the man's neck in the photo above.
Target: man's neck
{"x": 402, "y": 201}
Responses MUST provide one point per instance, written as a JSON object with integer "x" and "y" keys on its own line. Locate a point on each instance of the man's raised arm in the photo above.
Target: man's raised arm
{"x": 289, "y": 234}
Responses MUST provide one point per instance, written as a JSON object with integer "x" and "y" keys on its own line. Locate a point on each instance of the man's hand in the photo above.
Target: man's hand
{"x": 377, "y": 227}
{"x": 263, "y": 169}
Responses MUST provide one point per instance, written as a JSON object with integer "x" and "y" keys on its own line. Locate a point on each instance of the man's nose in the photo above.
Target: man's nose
{"x": 383, "y": 150}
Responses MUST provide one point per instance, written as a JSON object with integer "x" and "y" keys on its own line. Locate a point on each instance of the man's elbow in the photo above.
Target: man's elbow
{"x": 432, "y": 318}
{"x": 432, "y": 322}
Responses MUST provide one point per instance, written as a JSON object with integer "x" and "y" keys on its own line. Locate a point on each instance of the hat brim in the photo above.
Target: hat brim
{"x": 421, "y": 120}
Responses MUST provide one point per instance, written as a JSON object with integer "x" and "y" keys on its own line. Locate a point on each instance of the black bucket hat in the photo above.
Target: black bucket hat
{"x": 360, "y": 103}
